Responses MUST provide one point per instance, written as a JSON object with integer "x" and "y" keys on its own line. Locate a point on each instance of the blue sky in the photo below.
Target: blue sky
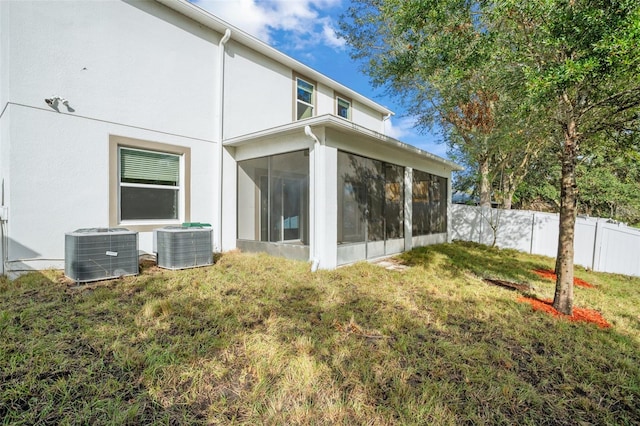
{"x": 305, "y": 30}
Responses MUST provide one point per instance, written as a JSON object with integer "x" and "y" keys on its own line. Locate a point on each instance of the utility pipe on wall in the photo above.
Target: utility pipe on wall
{"x": 219, "y": 119}
{"x": 315, "y": 260}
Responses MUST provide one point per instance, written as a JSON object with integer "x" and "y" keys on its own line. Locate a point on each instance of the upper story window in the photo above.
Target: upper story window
{"x": 305, "y": 98}
{"x": 343, "y": 107}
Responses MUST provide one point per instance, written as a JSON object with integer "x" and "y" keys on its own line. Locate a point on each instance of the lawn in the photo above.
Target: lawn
{"x": 262, "y": 340}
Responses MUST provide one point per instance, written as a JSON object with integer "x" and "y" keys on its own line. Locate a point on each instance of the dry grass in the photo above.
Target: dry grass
{"x": 260, "y": 340}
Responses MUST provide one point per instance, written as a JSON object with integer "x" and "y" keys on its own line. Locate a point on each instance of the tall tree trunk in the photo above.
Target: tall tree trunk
{"x": 508, "y": 189}
{"x": 508, "y": 199}
{"x": 563, "y": 299}
{"x": 485, "y": 186}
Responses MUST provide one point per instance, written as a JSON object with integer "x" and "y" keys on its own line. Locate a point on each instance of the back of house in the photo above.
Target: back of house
{"x": 147, "y": 114}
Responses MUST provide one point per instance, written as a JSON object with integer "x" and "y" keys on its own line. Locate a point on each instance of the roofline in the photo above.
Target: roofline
{"x": 211, "y": 21}
{"x": 332, "y": 121}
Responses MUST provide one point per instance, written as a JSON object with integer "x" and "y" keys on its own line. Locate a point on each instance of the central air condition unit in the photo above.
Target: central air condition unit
{"x": 181, "y": 247}
{"x": 94, "y": 254}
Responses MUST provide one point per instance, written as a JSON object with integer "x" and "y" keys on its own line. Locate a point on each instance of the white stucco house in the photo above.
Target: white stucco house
{"x": 141, "y": 114}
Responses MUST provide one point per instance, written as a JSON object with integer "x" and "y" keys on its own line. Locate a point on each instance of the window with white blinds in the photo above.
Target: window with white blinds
{"x": 137, "y": 166}
{"x": 149, "y": 185}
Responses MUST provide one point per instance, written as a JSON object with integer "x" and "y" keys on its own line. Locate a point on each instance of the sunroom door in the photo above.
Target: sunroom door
{"x": 375, "y": 237}
{"x": 362, "y": 216}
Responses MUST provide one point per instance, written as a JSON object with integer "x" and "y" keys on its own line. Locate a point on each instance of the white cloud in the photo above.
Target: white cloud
{"x": 330, "y": 36}
{"x": 305, "y": 23}
{"x": 400, "y": 128}
{"x": 404, "y": 129}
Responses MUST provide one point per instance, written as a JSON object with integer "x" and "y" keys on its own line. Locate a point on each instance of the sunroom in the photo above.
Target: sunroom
{"x": 332, "y": 192}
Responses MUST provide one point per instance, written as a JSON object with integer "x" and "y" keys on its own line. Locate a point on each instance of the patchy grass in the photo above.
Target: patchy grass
{"x": 261, "y": 340}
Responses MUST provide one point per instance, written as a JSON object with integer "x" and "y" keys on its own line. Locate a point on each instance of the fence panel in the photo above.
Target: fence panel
{"x": 585, "y": 239}
{"x": 545, "y": 234}
{"x": 466, "y": 223}
{"x": 599, "y": 245}
{"x": 513, "y": 229}
{"x": 619, "y": 250}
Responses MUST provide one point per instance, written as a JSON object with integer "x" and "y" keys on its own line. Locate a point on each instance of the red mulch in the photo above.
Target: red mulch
{"x": 579, "y": 314}
{"x": 546, "y": 273}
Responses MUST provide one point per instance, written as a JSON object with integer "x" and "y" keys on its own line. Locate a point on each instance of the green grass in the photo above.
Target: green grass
{"x": 261, "y": 340}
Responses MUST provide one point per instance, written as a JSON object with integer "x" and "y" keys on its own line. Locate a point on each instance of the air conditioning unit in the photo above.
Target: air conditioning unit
{"x": 181, "y": 247}
{"x": 94, "y": 254}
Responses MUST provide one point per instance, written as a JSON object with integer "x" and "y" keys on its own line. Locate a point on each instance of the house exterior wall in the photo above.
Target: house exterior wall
{"x": 140, "y": 71}
{"x": 142, "y": 60}
{"x": 4, "y": 55}
{"x": 326, "y": 103}
{"x": 137, "y": 70}
{"x": 259, "y": 93}
{"x": 368, "y": 117}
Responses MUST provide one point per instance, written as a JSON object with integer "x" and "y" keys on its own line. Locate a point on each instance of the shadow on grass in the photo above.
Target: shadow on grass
{"x": 483, "y": 261}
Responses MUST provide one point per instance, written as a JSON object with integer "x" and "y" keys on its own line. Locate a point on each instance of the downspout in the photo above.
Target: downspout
{"x": 384, "y": 123}
{"x": 315, "y": 261}
{"x": 219, "y": 118}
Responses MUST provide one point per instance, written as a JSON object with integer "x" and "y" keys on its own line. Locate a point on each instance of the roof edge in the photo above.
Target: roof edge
{"x": 206, "y": 18}
{"x": 332, "y": 121}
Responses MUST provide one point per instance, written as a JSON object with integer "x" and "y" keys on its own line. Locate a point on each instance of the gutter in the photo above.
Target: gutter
{"x": 219, "y": 119}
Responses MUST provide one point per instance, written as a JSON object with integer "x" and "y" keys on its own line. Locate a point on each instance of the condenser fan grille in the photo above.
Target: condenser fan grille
{"x": 180, "y": 248}
{"x": 94, "y": 254}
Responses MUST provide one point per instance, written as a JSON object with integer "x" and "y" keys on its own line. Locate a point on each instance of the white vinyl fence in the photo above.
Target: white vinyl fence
{"x": 599, "y": 244}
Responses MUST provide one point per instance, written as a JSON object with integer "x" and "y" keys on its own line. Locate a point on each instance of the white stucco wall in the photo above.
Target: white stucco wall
{"x": 59, "y": 180}
{"x": 368, "y": 117}
{"x": 138, "y": 63}
{"x": 4, "y": 54}
{"x": 257, "y": 93}
{"x": 139, "y": 70}
{"x": 325, "y": 103}
{"x": 133, "y": 69}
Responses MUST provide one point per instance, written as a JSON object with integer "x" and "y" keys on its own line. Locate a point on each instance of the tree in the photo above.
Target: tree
{"x": 610, "y": 183}
{"x": 577, "y": 61}
{"x": 607, "y": 176}
{"x": 450, "y": 89}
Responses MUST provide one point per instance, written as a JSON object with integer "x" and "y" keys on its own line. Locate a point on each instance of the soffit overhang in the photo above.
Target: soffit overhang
{"x": 344, "y": 127}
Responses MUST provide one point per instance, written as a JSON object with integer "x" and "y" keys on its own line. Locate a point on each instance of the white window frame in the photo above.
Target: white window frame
{"x": 179, "y": 188}
{"x": 298, "y": 101}
{"x": 184, "y": 182}
{"x": 349, "y": 110}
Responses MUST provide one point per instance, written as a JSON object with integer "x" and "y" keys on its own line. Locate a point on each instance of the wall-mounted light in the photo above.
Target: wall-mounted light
{"x": 54, "y": 101}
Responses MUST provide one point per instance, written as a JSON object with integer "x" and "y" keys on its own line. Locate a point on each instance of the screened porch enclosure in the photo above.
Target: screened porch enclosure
{"x": 273, "y": 200}
{"x": 333, "y": 207}
{"x": 370, "y": 208}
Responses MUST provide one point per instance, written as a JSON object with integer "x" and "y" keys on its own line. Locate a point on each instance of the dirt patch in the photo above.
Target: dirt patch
{"x": 546, "y": 273}
{"x": 579, "y": 314}
{"x": 392, "y": 264}
{"x": 507, "y": 284}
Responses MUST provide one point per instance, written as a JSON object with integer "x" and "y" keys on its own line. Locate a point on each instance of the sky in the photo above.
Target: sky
{"x": 306, "y": 31}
